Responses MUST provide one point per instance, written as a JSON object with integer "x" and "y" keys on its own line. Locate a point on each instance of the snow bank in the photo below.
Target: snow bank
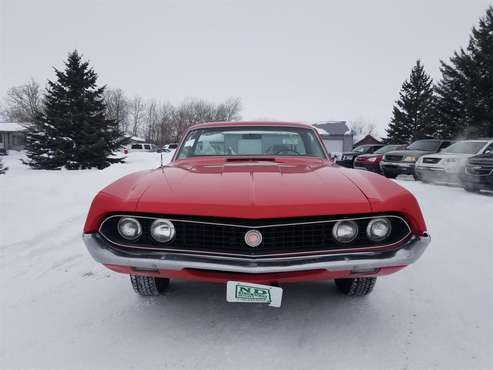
{"x": 61, "y": 310}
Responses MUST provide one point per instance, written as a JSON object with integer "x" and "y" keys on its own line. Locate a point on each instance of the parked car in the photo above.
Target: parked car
{"x": 169, "y": 147}
{"x": 254, "y": 203}
{"x": 142, "y": 147}
{"x": 371, "y": 162}
{"x": 478, "y": 173}
{"x": 402, "y": 162}
{"x": 448, "y": 164}
{"x": 347, "y": 158}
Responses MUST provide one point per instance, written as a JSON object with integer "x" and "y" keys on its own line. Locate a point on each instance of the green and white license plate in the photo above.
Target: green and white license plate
{"x": 236, "y": 291}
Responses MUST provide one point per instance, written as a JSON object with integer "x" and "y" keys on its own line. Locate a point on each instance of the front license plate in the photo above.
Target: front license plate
{"x": 236, "y": 291}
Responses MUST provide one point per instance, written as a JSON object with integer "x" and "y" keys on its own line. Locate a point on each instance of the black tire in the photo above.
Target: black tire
{"x": 356, "y": 287}
{"x": 389, "y": 175}
{"x": 148, "y": 286}
{"x": 471, "y": 189}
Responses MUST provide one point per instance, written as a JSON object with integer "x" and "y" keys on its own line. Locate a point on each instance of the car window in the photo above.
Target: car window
{"x": 465, "y": 147}
{"x": 148, "y": 147}
{"x": 425, "y": 145}
{"x": 362, "y": 149}
{"x": 444, "y": 144}
{"x": 251, "y": 141}
{"x": 136, "y": 146}
{"x": 172, "y": 146}
{"x": 489, "y": 148}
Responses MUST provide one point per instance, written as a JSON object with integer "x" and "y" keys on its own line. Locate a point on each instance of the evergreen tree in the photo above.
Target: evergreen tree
{"x": 412, "y": 116}
{"x": 465, "y": 92}
{"x": 72, "y": 130}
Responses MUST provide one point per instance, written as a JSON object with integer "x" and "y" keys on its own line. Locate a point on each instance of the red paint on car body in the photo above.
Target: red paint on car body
{"x": 274, "y": 187}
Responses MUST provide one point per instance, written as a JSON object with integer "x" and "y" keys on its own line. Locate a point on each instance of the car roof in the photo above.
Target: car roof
{"x": 251, "y": 123}
{"x": 475, "y": 140}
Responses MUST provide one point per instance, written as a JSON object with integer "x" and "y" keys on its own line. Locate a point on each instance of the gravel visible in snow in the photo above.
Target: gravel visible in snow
{"x": 61, "y": 310}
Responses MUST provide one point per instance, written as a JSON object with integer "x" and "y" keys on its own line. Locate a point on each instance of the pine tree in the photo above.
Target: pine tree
{"x": 72, "y": 130}
{"x": 412, "y": 116}
{"x": 465, "y": 92}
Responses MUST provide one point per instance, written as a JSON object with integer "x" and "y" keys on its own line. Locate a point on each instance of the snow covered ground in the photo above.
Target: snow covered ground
{"x": 61, "y": 310}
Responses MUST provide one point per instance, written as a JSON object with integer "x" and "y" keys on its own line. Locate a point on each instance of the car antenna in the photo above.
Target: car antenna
{"x": 161, "y": 154}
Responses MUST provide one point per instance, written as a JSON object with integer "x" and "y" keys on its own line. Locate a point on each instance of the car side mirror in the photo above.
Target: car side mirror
{"x": 487, "y": 151}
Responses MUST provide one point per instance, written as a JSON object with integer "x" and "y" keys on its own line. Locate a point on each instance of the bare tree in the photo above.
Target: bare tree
{"x": 117, "y": 107}
{"x": 22, "y": 103}
{"x": 363, "y": 128}
{"x": 136, "y": 115}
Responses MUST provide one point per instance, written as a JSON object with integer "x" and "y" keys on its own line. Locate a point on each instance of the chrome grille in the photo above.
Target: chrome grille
{"x": 393, "y": 158}
{"x": 226, "y": 236}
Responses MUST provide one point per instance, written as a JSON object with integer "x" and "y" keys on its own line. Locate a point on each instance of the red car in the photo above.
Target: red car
{"x": 371, "y": 162}
{"x": 254, "y": 202}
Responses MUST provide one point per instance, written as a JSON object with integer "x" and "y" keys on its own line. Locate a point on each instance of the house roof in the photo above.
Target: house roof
{"x": 366, "y": 139}
{"x": 13, "y": 126}
{"x": 333, "y": 127}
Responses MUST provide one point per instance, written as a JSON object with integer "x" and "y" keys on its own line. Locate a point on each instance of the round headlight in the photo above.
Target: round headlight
{"x": 162, "y": 230}
{"x": 378, "y": 229}
{"x": 345, "y": 231}
{"x": 129, "y": 228}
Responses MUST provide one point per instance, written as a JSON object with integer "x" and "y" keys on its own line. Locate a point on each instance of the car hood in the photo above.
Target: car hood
{"x": 254, "y": 190}
{"x": 251, "y": 190}
{"x": 366, "y": 156}
{"x": 404, "y": 152}
{"x": 448, "y": 156}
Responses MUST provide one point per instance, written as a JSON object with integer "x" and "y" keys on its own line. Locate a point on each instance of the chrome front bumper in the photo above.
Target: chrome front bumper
{"x": 409, "y": 252}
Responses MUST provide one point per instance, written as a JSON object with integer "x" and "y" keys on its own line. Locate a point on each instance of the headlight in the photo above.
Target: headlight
{"x": 162, "y": 230}
{"x": 129, "y": 228}
{"x": 378, "y": 229}
{"x": 409, "y": 158}
{"x": 345, "y": 231}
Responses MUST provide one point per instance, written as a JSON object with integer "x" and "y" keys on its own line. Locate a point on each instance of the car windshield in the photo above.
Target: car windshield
{"x": 387, "y": 148}
{"x": 361, "y": 149}
{"x": 465, "y": 147}
{"x": 251, "y": 141}
{"x": 424, "y": 145}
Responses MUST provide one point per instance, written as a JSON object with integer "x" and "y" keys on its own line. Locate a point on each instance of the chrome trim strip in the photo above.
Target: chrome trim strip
{"x": 312, "y": 252}
{"x": 256, "y": 227}
{"x": 398, "y": 164}
{"x": 408, "y": 253}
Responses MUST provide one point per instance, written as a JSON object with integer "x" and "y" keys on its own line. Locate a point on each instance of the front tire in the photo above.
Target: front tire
{"x": 471, "y": 188}
{"x": 356, "y": 287}
{"x": 390, "y": 175}
{"x": 148, "y": 286}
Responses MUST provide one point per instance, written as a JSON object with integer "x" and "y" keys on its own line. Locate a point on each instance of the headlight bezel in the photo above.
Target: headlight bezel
{"x": 410, "y": 159}
{"x": 378, "y": 239}
{"x": 339, "y": 224}
{"x": 154, "y": 226}
{"x": 136, "y": 222}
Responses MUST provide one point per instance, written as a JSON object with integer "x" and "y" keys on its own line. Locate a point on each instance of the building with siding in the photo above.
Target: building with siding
{"x": 12, "y": 136}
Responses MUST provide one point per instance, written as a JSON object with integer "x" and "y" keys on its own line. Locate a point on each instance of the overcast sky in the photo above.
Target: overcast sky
{"x": 291, "y": 60}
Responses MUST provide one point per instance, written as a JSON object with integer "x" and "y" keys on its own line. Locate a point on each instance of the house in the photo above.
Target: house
{"x": 12, "y": 136}
{"x": 368, "y": 139}
{"x": 336, "y": 135}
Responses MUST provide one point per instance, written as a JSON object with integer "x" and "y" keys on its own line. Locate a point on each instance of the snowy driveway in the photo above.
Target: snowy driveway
{"x": 61, "y": 310}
